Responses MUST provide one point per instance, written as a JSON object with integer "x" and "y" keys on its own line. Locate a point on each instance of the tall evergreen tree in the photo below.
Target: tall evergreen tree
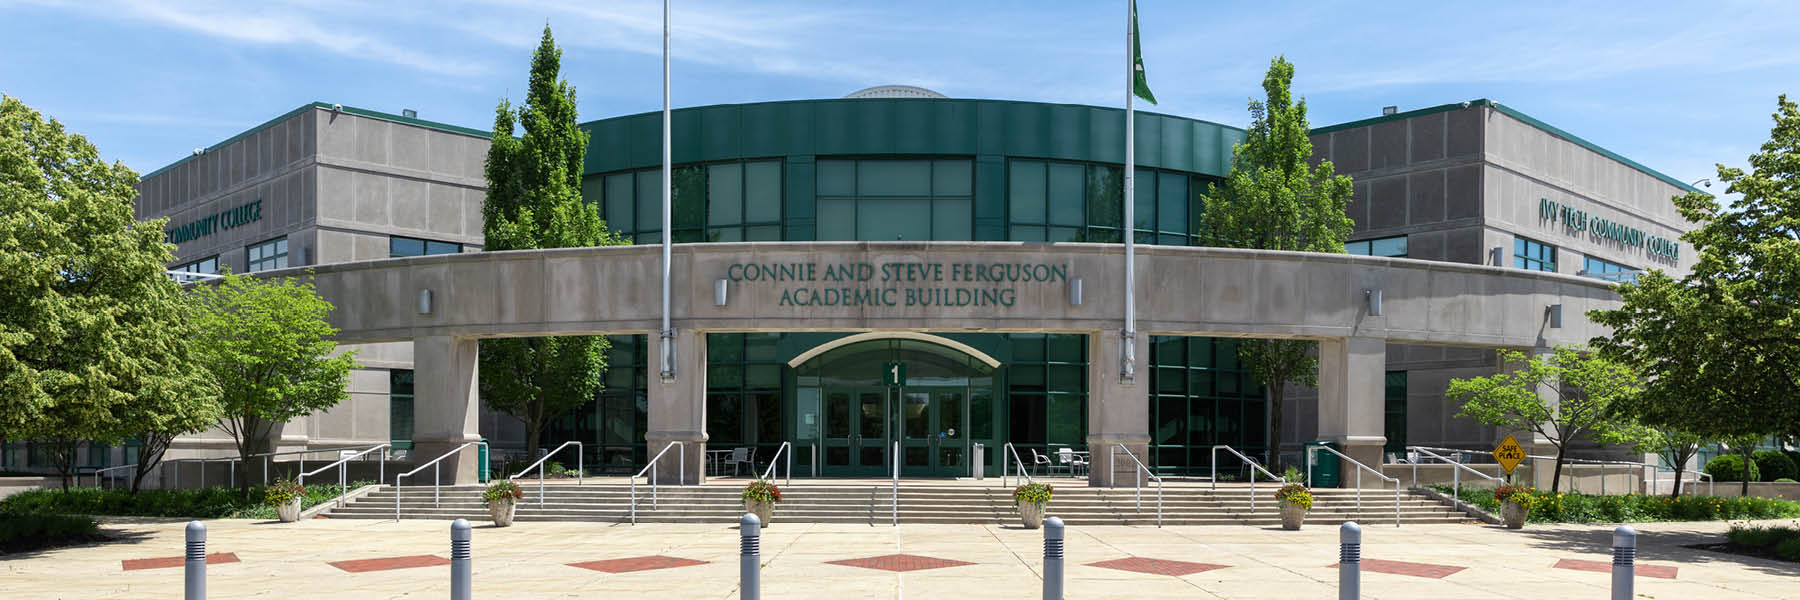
{"x": 93, "y": 334}
{"x": 534, "y": 201}
{"x": 1273, "y": 199}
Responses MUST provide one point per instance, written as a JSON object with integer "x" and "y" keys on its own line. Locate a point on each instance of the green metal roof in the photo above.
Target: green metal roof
{"x": 1553, "y": 130}
{"x": 361, "y": 112}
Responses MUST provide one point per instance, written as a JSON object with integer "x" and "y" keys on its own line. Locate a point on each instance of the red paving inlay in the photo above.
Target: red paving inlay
{"x": 1658, "y": 571}
{"x": 175, "y": 561}
{"x": 637, "y": 563}
{"x": 900, "y": 562}
{"x": 1400, "y": 567}
{"x": 1156, "y": 566}
{"x": 387, "y": 564}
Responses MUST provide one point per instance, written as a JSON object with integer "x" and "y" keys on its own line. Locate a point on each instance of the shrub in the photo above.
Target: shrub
{"x": 1295, "y": 494}
{"x": 1583, "y": 508}
{"x": 1786, "y": 480}
{"x": 1033, "y": 493}
{"x": 1789, "y": 548}
{"x": 762, "y": 490}
{"x": 23, "y": 532}
{"x": 1518, "y": 494}
{"x": 1774, "y": 464}
{"x": 205, "y": 503}
{"x": 1782, "y": 541}
{"x": 501, "y": 490}
{"x": 1730, "y": 467}
{"x": 282, "y": 492}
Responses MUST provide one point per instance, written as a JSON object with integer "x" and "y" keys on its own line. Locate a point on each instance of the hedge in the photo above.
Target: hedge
{"x": 26, "y": 532}
{"x": 1636, "y": 508}
{"x": 1781, "y": 541}
{"x": 1730, "y": 467}
{"x": 1774, "y": 464}
{"x": 207, "y": 503}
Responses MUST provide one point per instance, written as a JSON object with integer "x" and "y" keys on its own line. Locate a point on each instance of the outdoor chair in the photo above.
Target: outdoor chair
{"x": 745, "y": 457}
{"x": 1042, "y": 463}
{"x": 1070, "y": 460}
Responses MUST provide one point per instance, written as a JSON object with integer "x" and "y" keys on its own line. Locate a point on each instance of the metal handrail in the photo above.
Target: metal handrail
{"x": 580, "y": 467}
{"x": 437, "y": 477}
{"x": 1113, "y": 453}
{"x": 787, "y": 447}
{"x": 680, "y": 473}
{"x": 1254, "y": 468}
{"x": 1361, "y": 467}
{"x": 1455, "y": 474}
{"x": 1009, "y": 449}
{"x": 1574, "y": 480}
{"x": 231, "y": 472}
{"x": 343, "y": 482}
{"x": 97, "y": 473}
{"x": 896, "y": 483}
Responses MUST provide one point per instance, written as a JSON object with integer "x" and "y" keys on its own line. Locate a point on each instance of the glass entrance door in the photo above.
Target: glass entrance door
{"x": 934, "y": 440}
{"x": 856, "y": 432}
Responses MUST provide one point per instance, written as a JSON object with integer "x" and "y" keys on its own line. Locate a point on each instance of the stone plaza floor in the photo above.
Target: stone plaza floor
{"x": 322, "y": 558}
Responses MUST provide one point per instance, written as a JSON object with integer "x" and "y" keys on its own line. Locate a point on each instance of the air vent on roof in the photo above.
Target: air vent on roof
{"x": 1389, "y": 110}
{"x": 409, "y": 113}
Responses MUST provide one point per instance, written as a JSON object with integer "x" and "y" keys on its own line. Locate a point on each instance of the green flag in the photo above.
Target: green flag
{"x": 1140, "y": 86}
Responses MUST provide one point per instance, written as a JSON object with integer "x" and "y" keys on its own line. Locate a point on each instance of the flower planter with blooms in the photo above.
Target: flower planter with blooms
{"x": 285, "y": 495}
{"x": 1031, "y": 499}
{"x": 1515, "y": 504}
{"x": 502, "y": 500}
{"x": 1295, "y": 502}
{"x": 760, "y": 498}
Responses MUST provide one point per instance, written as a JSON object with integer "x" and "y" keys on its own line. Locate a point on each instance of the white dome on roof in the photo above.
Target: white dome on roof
{"x": 895, "y": 91}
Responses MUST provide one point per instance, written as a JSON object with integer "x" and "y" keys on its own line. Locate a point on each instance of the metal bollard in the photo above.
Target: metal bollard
{"x": 1053, "y": 558}
{"x": 1349, "y": 561}
{"x": 1624, "y": 562}
{"x": 196, "y": 561}
{"x": 461, "y": 575}
{"x": 750, "y": 557}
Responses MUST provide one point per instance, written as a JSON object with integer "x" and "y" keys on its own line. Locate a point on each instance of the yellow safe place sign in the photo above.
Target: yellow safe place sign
{"x": 1509, "y": 454}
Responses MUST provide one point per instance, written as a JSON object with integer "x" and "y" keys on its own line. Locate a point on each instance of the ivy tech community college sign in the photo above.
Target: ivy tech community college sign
{"x": 1576, "y": 221}
{"x": 235, "y": 216}
{"x": 898, "y": 283}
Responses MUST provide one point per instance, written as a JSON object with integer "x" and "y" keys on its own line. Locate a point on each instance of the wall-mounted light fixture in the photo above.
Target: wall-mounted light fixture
{"x": 1075, "y": 291}
{"x": 425, "y": 302}
{"x": 721, "y": 291}
{"x": 1554, "y": 313}
{"x": 1374, "y": 298}
{"x": 1495, "y": 255}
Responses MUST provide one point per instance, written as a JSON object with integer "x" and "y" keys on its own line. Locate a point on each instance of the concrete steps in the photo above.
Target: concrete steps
{"x": 920, "y": 502}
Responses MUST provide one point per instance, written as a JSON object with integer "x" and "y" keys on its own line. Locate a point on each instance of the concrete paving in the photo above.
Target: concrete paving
{"x": 531, "y": 560}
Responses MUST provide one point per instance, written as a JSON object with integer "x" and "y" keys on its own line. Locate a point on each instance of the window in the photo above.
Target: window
{"x": 405, "y": 246}
{"x": 719, "y": 202}
{"x": 915, "y": 200}
{"x": 1390, "y": 246}
{"x": 1201, "y": 395}
{"x": 1609, "y": 271}
{"x": 209, "y": 266}
{"x": 1046, "y": 386}
{"x": 1395, "y": 412}
{"x": 272, "y": 254}
{"x": 744, "y": 385}
{"x": 1063, "y": 201}
{"x": 1534, "y": 255}
{"x": 400, "y": 408}
{"x": 611, "y": 426}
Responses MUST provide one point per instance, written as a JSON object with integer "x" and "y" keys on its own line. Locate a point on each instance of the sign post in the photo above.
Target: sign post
{"x": 1509, "y": 454}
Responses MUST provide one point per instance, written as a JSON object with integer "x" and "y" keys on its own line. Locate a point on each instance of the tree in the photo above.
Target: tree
{"x": 267, "y": 344}
{"x": 534, "y": 201}
{"x": 1274, "y": 200}
{"x": 1718, "y": 345}
{"x": 92, "y": 331}
{"x": 1675, "y": 446}
{"x": 1586, "y": 391}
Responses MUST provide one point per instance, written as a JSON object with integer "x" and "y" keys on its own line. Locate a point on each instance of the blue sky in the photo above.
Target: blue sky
{"x": 1677, "y": 87}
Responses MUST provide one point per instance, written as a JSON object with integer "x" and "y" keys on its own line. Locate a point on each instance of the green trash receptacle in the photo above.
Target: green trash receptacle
{"x": 1326, "y": 468}
{"x": 481, "y": 462}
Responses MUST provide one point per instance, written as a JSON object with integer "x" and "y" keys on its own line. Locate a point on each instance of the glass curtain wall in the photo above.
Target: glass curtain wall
{"x": 1046, "y": 394}
{"x": 886, "y": 200}
{"x": 1058, "y": 201}
{"x": 1395, "y": 412}
{"x": 716, "y": 202}
{"x": 611, "y": 428}
{"x": 744, "y": 392}
{"x": 1202, "y": 396}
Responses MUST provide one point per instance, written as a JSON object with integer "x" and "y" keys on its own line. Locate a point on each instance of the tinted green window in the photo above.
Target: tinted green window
{"x": 837, "y": 178}
{"x": 649, "y": 201}
{"x": 400, "y": 408}
{"x": 951, "y": 178}
{"x": 894, "y": 219}
{"x": 404, "y": 246}
{"x": 1144, "y": 190}
{"x": 1025, "y": 195}
{"x": 1172, "y": 204}
{"x": 1395, "y": 412}
{"x": 1534, "y": 255}
{"x": 1068, "y": 193}
{"x": 762, "y": 192}
{"x": 620, "y": 201}
{"x": 894, "y": 200}
{"x": 893, "y": 178}
{"x": 724, "y": 194}
{"x": 1388, "y": 246}
{"x": 1197, "y": 385}
{"x": 272, "y": 254}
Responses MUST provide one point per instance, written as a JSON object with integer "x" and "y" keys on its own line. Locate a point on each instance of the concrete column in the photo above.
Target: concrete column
{"x": 1352, "y": 378}
{"x": 1118, "y": 412}
{"x": 446, "y": 406}
{"x": 678, "y": 409}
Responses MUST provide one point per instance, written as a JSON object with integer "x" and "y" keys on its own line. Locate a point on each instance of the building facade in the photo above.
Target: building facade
{"x": 882, "y": 274}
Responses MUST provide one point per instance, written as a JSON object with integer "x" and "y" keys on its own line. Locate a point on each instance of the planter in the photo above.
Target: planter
{"x": 288, "y": 511}
{"x": 764, "y": 511}
{"x": 1292, "y": 516}
{"x": 1032, "y": 514}
{"x": 503, "y": 512}
{"x": 1513, "y": 515}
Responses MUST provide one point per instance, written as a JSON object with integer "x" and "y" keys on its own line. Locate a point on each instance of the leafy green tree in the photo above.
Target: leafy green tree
{"x": 534, "y": 201}
{"x": 92, "y": 331}
{"x": 1717, "y": 346}
{"x": 266, "y": 342}
{"x": 1584, "y": 391}
{"x": 1675, "y": 446}
{"x": 1274, "y": 199}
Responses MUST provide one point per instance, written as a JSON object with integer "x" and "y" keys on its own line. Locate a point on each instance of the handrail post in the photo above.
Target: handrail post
{"x": 896, "y": 483}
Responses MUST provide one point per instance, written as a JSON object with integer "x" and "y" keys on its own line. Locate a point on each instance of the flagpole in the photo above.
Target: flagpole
{"x": 668, "y": 333}
{"x": 1127, "y": 358}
